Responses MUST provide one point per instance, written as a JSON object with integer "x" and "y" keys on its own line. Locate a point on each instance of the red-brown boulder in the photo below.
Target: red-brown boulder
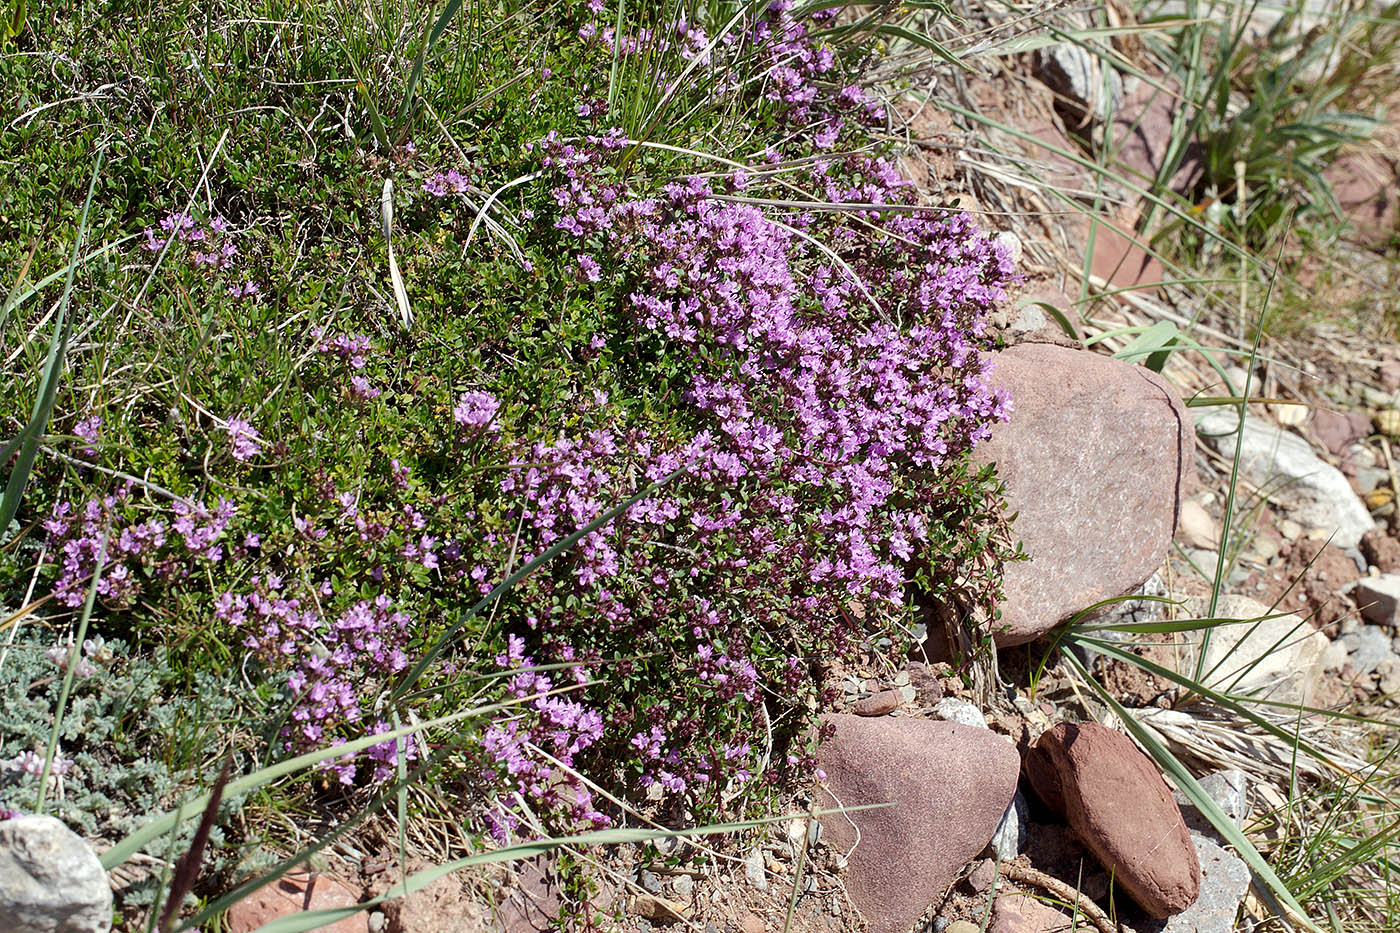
{"x": 1094, "y": 459}
{"x": 949, "y": 785}
{"x": 1116, "y": 802}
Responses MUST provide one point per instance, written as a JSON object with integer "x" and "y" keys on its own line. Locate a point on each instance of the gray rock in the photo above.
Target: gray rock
{"x": 1370, "y": 478}
{"x": 649, "y": 881}
{"x": 1078, "y": 75}
{"x": 1379, "y": 599}
{"x": 951, "y": 709}
{"x": 683, "y": 885}
{"x": 50, "y": 881}
{"x": 1230, "y": 791}
{"x": 1028, "y": 320}
{"x": 754, "y": 871}
{"x": 1277, "y": 658}
{"x": 1315, "y": 494}
{"x": 1224, "y": 881}
{"x": 1367, "y": 647}
{"x": 1010, "y": 837}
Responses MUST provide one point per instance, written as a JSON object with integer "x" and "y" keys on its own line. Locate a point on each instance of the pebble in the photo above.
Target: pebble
{"x": 1379, "y": 599}
{"x": 962, "y": 926}
{"x": 1366, "y": 648}
{"x": 1264, "y": 548}
{"x": 1289, "y": 529}
{"x": 1389, "y": 670}
{"x": 754, "y": 870}
{"x": 952, "y": 709}
{"x": 1335, "y": 657}
{"x": 683, "y": 886}
{"x": 652, "y": 907}
{"x": 649, "y": 882}
{"x": 1196, "y": 527}
{"x": 982, "y": 875}
{"x": 1388, "y": 422}
{"x": 881, "y": 704}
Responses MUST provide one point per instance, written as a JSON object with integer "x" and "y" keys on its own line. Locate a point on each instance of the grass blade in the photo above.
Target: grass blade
{"x": 48, "y": 383}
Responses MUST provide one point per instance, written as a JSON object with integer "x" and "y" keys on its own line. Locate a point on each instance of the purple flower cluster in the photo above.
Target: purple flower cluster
{"x": 206, "y": 246}
{"x": 134, "y": 548}
{"x": 89, "y": 429}
{"x": 832, "y": 387}
{"x": 476, "y": 411}
{"x": 802, "y": 378}
{"x": 329, "y": 657}
{"x": 557, "y": 725}
{"x": 353, "y": 351}
{"x": 243, "y": 440}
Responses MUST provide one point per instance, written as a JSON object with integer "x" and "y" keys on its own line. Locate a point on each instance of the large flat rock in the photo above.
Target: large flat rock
{"x": 949, "y": 784}
{"x": 1094, "y": 459}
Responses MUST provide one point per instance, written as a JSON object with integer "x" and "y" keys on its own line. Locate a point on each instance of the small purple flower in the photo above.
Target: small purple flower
{"x": 476, "y": 409}
{"x": 243, "y": 439}
{"x": 88, "y": 430}
{"x": 589, "y": 267}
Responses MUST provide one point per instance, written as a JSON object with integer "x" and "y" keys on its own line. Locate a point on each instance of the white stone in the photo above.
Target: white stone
{"x": 50, "y": 881}
{"x": 1196, "y": 528}
{"x": 1379, "y": 599}
{"x": 1277, "y": 658}
{"x": 952, "y": 709}
{"x": 754, "y": 870}
{"x": 1335, "y": 657}
{"x": 1029, "y": 318}
{"x": 1314, "y": 493}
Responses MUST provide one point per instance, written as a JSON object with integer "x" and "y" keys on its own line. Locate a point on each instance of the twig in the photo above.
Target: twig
{"x": 118, "y": 474}
{"x": 1027, "y": 875}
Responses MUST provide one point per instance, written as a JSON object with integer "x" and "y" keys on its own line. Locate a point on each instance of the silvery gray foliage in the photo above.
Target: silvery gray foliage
{"x": 131, "y": 744}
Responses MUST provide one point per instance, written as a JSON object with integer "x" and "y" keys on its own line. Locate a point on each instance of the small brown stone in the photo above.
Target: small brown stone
{"x": 1019, "y": 913}
{"x": 881, "y": 704}
{"x": 652, "y": 907}
{"x": 982, "y": 875}
{"x": 291, "y": 894}
{"x": 1381, "y": 550}
{"x": 752, "y": 923}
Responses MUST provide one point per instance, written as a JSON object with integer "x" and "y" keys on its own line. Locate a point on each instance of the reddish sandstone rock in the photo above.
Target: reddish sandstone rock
{"x": 1381, "y": 550}
{"x": 292, "y": 894}
{"x": 950, "y": 785}
{"x": 1118, "y": 805}
{"x": 1094, "y": 459}
{"x": 1019, "y": 913}
{"x": 1337, "y": 430}
{"x": 880, "y": 704}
